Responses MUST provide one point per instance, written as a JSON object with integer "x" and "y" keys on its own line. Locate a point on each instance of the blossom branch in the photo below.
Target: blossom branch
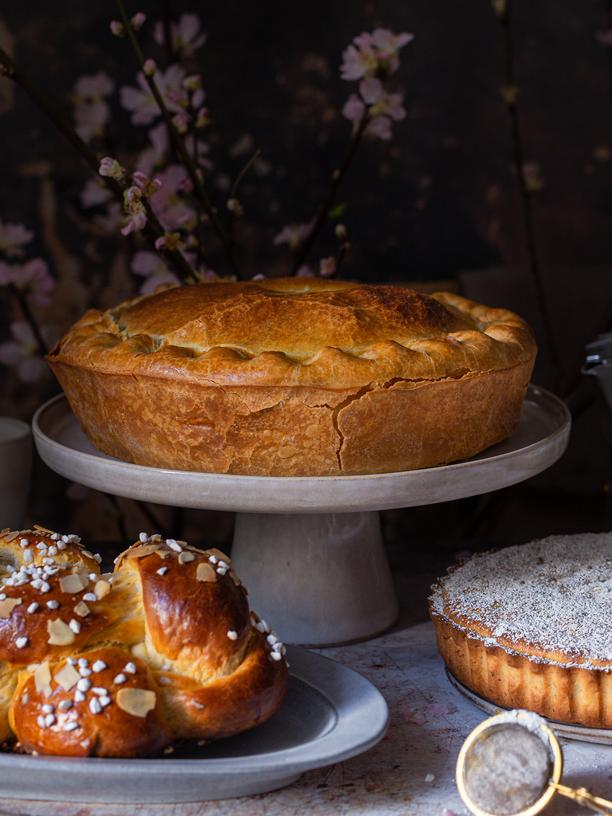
{"x": 178, "y": 142}
{"x": 328, "y": 202}
{"x": 167, "y": 31}
{"x": 510, "y": 93}
{"x": 153, "y": 229}
{"x": 233, "y": 204}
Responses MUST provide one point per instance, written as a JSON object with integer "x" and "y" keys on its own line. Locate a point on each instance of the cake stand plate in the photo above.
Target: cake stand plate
{"x": 601, "y": 736}
{"x": 331, "y": 713}
{"x": 309, "y": 548}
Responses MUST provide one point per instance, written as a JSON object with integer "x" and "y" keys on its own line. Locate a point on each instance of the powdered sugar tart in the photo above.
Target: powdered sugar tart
{"x": 530, "y": 627}
{"x": 123, "y": 664}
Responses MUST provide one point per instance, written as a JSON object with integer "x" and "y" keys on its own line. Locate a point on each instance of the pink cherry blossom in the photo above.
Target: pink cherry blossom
{"x": 140, "y": 101}
{"x": 327, "y": 267}
{"x": 147, "y": 186}
{"x": 150, "y": 266}
{"x": 110, "y": 168}
{"x": 154, "y": 155}
{"x": 371, "y": 90}
{"x": 187, "y": 35}
{"x": 390, "y": 104}
{"x": 94, "y": 193}
{"x": 375, "y": 54}
{"x": 13, "y": 238}
{"x": 91, "y": 111}
{"x": 353, "y": 109}
{"x": 22, "y": 352}
{"x": 32, "y": 278}
{"x": 387, "y": 43}
{"x": 379, "y": 128}
{"x": 134, "y": 209}
{"x": 293, "y": 234}
{"x": 138, "y": 20}
{"x": 358, "y": 62}
{"x": 111, "y": 219}
{"x": 149, "y": 67}
{"x": 169, "y": 204}
{"x": 604, "y": 37}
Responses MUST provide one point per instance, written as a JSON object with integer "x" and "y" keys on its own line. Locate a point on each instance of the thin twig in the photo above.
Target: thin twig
{"x": 22, "y": 300}
{"x": 153, "y": 229}
{"x": 179, "y": 144}
{"x": 510, "y": 97}
{"x": 337, "y": 177}
{"x": 239, "y": 178}
{"x": 167, "y": 30}
{"x": 233, "y": 205}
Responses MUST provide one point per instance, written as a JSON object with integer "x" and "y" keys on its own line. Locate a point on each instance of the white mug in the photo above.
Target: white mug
{"x": 15, "y": 469}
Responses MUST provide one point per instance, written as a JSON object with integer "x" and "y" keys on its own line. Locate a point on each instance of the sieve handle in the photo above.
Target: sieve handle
{"x": 585, "y": 798}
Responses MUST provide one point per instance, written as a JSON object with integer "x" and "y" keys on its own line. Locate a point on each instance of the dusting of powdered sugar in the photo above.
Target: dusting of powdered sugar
{"x": 528, "y": 719}
{"x": 555, "y": 593}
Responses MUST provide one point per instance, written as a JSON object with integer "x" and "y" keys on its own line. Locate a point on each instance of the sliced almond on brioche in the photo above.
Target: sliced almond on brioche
{"x": 205, "y": 573}
{"x": 60, "y": 634}
{"x": 67, "y": 677}
{"x": 136, "y": 701}
{"x": 73, "y": 583}
{"x": 42, "y": 679}
{"x": 101, "y": 589}
{"x": 7, "y": 606}
{"x": 82, "y": 610}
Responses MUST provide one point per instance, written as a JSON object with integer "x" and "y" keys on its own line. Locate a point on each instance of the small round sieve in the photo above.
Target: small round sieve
{"x": 511, "y": 765}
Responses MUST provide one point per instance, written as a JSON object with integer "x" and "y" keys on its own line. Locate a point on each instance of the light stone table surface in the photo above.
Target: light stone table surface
{"x": 410, "y": 773}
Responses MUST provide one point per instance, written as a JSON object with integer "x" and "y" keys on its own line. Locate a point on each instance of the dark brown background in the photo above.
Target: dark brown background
{"x": 438, "y": 203}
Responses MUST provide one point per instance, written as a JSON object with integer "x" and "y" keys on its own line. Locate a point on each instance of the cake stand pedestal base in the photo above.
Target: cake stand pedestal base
{"x": 322, "y": 579}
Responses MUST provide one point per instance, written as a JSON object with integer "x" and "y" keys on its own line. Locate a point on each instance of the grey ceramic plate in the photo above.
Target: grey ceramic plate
{"x": 602, "y": 736}
{"x": 331, "y": 713}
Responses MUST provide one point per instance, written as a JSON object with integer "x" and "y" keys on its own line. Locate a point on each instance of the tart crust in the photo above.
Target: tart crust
{"x": 564, "y": 684}
{"x": 295, "y": 377}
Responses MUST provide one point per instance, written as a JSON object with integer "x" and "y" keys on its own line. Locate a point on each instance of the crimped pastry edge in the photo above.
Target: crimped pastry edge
{"x": 498, "y": 339}
{"x": 566, "y": 692}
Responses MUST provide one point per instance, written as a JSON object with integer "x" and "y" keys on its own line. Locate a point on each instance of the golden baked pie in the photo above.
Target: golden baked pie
{"x": 531, "y": 627}
{"x": 165, "y": 648}
{"x": 295, "y": 377}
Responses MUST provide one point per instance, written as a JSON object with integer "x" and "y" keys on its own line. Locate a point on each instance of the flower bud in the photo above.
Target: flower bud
{"x": 117, "y": 28}
{"x": 149, "y": 67}
{"x": 180, "y": 122}
{"x": 193, "y": 82}
{"x": 138, "y": 20}
{"x": 110, "y": 168}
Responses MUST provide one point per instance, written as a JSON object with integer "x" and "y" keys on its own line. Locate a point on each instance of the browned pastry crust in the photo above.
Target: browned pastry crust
{"x": 511, "y": 678}
{"x": 295, "y": 377}
{"x": 528, "y": 627}
{"x": 165, "y": 648}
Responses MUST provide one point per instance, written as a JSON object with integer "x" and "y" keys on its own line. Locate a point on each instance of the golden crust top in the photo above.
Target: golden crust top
{"x": 296, "y": 332}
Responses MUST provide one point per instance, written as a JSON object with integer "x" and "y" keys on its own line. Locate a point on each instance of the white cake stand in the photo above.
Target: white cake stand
{"x": 309, "y": 548}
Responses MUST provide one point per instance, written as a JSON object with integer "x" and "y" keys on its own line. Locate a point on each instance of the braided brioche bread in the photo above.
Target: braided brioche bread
{"x": 295, "y": 377}
{"x": 123, "y": 664}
